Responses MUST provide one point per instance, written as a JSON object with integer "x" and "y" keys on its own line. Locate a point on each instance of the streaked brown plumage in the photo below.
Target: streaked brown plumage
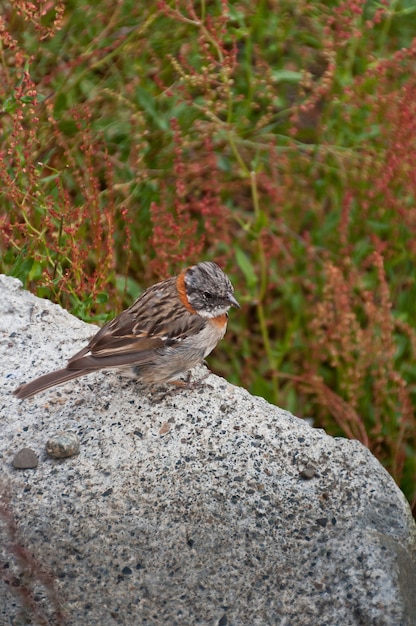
{"x": 167, "y": 331}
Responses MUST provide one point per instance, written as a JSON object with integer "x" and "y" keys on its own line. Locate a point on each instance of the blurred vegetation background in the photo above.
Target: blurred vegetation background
{"x": 275, "y": 137}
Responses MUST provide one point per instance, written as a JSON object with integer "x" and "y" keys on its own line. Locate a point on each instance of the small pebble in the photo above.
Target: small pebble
{"x": 308, "y": 473}
{"x": 165, "y": 428}
{"x": 25, "y": 459}
{"x": 62, "y": 445}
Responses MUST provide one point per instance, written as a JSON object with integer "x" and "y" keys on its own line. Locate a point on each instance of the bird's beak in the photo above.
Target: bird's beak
{"x": 233, "y": 301}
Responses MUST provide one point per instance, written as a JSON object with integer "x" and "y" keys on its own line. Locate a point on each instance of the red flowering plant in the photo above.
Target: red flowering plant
{"x": 277, "y": 138}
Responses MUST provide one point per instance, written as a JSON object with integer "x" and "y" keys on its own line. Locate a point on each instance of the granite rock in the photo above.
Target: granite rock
{"x": 203, "y": 506}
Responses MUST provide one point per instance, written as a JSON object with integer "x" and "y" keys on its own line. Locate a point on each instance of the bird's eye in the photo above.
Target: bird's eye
{"x": 207, "y": 295}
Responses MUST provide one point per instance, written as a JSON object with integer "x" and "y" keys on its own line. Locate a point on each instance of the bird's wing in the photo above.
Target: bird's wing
{"x": 154, "y": 321}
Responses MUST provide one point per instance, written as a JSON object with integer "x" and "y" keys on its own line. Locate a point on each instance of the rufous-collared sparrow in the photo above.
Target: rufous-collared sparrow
{"x": 169, "y": 329}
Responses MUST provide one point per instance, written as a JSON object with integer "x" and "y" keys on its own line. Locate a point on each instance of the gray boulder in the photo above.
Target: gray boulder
{"x": 203, "y": 506}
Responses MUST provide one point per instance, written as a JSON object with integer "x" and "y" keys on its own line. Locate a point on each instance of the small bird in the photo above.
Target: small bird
{"x": 168, "y": 330}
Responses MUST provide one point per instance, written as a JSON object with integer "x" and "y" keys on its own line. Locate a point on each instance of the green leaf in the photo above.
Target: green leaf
{"x": 148, "y": 103}
{"x": 129, "y": 286}
{"x": 286, "y": 76}
{"x": 9, "y": 105}
{"x": 247, "y": 268}
{"x": 22, "y": 268}
{"x": 102, "y": 297}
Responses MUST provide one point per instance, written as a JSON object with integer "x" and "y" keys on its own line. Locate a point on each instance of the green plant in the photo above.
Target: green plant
{"x": 275, "y": 137}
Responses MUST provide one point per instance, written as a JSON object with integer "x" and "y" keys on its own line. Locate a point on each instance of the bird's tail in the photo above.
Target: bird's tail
{"x": 48, "y": 380}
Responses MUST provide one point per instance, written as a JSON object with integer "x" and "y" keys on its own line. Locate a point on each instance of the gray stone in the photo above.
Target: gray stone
{"x": 180, "y": 511}
{"x": 62, "y": 445}
{"x": 25, "y": 459}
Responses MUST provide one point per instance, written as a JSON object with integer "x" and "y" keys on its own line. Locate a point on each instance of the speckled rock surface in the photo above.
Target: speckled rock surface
{"x": 208, "y": 506}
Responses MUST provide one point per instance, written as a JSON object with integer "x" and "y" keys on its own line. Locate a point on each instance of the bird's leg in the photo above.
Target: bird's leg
{"x": 187, "y": 383}
{"x": 179, "y": 385}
